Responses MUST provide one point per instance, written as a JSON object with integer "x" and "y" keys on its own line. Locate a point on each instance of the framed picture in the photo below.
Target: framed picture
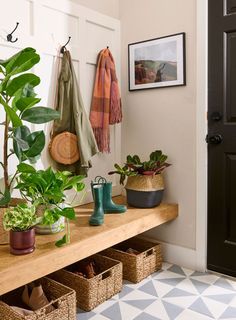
{"x": 157, "y": 63}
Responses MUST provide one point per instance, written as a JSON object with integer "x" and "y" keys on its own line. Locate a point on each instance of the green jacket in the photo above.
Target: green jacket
{"x": 73, "y": 117}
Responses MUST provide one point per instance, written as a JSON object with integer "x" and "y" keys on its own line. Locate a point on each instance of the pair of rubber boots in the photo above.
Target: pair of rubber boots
{"x": 102, "y": 196}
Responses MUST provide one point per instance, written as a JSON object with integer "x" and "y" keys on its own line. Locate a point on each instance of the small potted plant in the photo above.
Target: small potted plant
{"x": 20, "y": 221}
{"x": 45, "y": 189}
{"x": 145, "y": 185}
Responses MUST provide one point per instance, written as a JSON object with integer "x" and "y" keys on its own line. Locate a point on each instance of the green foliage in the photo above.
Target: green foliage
{"x": 18, "y": 99}
{"x": 20, "y": 218}
{"x": 47, "y": 188}
{"x": 134, "y": 166}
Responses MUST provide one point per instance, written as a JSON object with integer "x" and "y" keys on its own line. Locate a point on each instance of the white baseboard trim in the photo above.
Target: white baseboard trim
{"x": 181, "y": 256}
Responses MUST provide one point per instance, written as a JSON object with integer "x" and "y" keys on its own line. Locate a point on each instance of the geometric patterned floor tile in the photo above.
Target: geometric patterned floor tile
{"x": 177, "y": 269}
{"x": 173, "y": 293}
{"x": 149, "y": 288}
{"x": 146, "y": 316}
{"x": 224, "y": 283}
{"x": 200, "y": 307}
{"x": 172, "y": 310}
{"x": 113, "y": 312}
{"x": 200, "y": 286}
{"x": 230, "y": 313}
{"x": 140, "y": 304}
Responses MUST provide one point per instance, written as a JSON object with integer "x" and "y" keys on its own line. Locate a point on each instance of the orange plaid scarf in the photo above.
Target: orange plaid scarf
{"x": 106, "y": 101}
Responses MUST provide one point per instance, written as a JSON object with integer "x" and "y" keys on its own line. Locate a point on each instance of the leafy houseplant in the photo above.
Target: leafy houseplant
{"x": 20, "y": 221}
{"x": 19, "y": 101}
{"x": 45, "y": 189}
{"x": 145, "y": 184}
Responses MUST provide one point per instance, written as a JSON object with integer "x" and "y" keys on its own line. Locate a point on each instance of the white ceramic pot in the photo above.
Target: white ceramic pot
{"x": 56, "y": 227}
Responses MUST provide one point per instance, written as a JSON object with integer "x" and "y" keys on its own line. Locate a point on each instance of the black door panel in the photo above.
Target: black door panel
{"x": 221, "y": 138}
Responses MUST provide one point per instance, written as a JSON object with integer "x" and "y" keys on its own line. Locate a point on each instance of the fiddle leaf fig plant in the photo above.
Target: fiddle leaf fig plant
{"x": 18, "y": 101}
{"x": 134, "y": 166}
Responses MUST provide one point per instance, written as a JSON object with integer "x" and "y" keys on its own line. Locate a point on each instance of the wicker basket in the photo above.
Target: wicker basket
{"x": 62, "y": 298}
{"x": 92, "y": 292}
{"x": 137, "y": 267}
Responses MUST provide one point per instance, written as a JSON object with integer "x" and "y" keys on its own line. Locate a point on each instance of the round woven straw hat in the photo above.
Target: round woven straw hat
{"x": 64, "y": 148}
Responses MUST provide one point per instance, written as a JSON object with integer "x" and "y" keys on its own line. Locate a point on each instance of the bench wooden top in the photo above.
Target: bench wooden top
{"x": 85, "y": 241}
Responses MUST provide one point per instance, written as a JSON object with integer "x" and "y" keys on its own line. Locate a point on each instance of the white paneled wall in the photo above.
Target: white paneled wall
{"x": 46, "y": 25}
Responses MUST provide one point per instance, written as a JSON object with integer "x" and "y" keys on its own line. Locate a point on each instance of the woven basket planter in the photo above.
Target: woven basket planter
{"x": 145, "y": 191}
{"x": 62, "y": 298}
{"x": 4, "y": 235}
{"x": 92, "y": 292}
{"x": 137, "y": 267}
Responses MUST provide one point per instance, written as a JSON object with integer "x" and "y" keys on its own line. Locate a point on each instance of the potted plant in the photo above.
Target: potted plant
{"x": 18, "y": 102}
{"x": 45, "y": 189}
{"x": 145, "y": 185}
{"x": 20, "y": 221}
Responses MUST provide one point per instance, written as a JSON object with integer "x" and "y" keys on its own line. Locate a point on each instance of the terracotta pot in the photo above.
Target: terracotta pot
{"x": 22, "y": 242}
{"x": 145, "y": 191}
{"x": 56, "y": 227}
{"x": 4, "y": 235}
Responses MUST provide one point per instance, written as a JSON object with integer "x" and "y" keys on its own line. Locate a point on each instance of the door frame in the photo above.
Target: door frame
{"x": 201, "y": 131}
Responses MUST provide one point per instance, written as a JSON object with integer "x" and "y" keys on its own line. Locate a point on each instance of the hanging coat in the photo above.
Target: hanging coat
{"x": 73, "y": 117}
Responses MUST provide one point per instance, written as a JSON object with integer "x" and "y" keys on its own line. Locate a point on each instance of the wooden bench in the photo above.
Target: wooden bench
{"x": 16, "y": 271}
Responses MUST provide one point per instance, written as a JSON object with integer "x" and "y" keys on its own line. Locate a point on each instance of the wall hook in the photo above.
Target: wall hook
{"x": 9, "y": 36}
{"x": 64, "y": 47}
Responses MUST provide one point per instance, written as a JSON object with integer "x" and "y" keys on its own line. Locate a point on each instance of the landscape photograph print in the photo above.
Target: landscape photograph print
{"x": 157, "y": 63}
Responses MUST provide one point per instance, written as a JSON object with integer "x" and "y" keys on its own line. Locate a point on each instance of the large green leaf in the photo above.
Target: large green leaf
{"x": 24, "y": 59}
{"x": 37, "y": 142}
{"x": 68, "y": 213}
{"x": 20, "y": 82}
{"x": 16, "y": 121}
{"x": 6, "y": 198}
{"x": 22, "y": 143}
{"x": 26, "y": 103}
{"x": 25, "y": 168}
{"x": 20, "y": 133}
{"x": 61, "y": 242}
{"x": 40, "y": 115}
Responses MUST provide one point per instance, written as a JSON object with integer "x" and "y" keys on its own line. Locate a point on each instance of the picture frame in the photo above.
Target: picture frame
{"x": 157, "y": 63}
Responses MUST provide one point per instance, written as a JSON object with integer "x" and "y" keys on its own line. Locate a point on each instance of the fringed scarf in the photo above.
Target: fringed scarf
{"x": 106, "y": 102}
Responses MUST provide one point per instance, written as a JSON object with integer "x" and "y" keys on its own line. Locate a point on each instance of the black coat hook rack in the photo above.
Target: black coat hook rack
{"x": 9, "y": 36}
{"x": 64, "y": 47}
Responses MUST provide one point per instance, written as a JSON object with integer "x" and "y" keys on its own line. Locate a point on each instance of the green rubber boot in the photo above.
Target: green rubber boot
{"x": 108, "y": 205}
{"x": 97, "y": 218}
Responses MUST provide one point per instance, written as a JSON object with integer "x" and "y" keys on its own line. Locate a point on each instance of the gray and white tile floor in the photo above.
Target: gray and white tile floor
{"x": 173, "y": 293}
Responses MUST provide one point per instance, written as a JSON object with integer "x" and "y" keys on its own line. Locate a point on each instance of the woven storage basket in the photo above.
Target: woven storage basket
{"x": 137, "y": 267}
{"x": 92, "y": 292}
{"x": 62, "y": 298}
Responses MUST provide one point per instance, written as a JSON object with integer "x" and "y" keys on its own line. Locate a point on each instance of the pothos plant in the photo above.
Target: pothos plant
{"x": 18, "y": 100}
{"x": 47, "y": 188}
{"x": 134, "y": 166}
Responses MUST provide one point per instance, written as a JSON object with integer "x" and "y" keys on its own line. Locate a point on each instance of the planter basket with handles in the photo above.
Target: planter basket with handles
{"x": 92, "y": 292}
{"x": 62, "y": 298}
{"x": 137, "y": 267}
{"x": 4, "y": 235}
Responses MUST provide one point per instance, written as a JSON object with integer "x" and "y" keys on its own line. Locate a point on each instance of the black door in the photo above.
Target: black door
{"x": 222, "y": 137}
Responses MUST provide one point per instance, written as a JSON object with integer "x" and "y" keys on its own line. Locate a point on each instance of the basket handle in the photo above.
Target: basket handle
{"x": 104, "y": 275}
{"x": 149, "y": 252}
